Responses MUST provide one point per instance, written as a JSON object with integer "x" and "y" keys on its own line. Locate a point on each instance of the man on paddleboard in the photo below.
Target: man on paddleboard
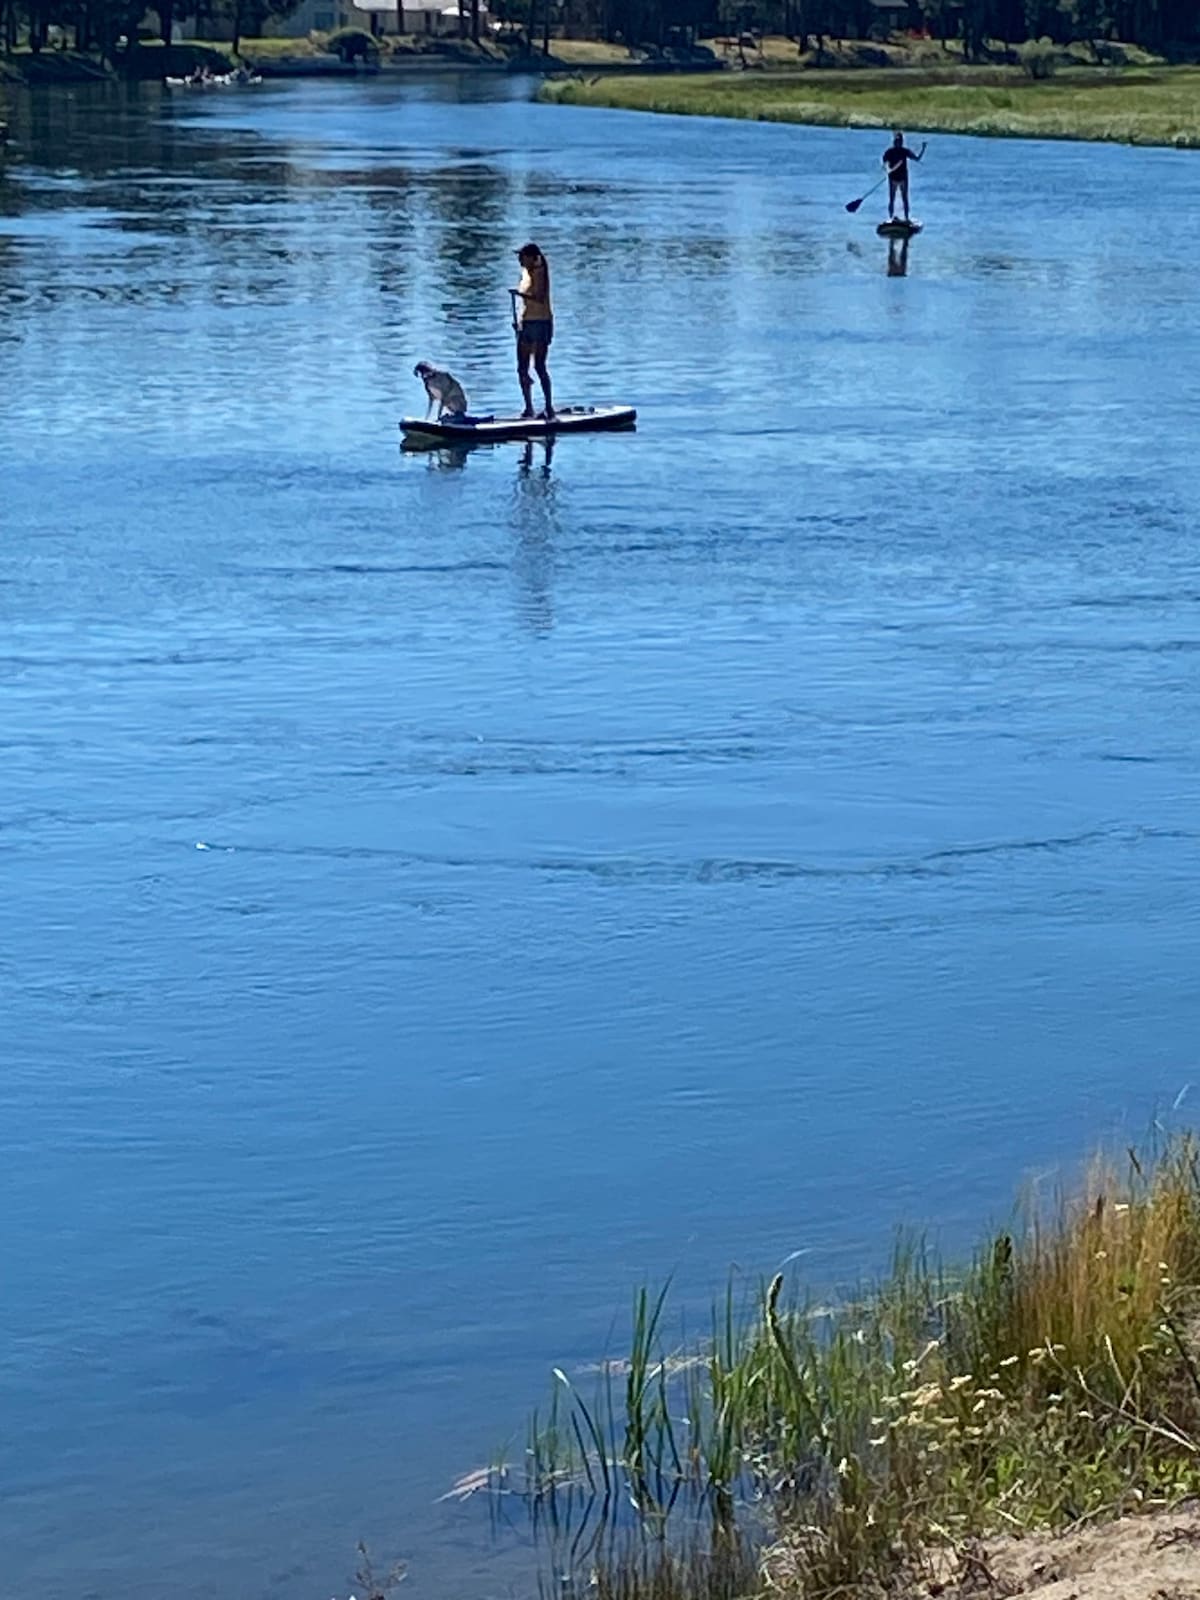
{"x": 896, "y": 158}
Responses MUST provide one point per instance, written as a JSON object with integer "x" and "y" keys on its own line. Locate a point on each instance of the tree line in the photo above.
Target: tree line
{"x": 103, "y": 25}
{"x": 112, "y": 27}
{"x": 1153, "y": 23}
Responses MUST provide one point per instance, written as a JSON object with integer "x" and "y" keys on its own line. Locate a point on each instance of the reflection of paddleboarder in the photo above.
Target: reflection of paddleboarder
{"x": 897, "y": 266}
{"x": 896, "y": 158}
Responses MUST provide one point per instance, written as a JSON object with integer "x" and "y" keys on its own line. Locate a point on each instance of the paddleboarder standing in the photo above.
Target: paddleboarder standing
{"x": 896, "y": 158}
{"x": 534, "y": 325}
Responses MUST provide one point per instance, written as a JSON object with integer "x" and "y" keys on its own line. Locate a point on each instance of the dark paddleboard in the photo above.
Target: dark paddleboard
{"x": 898, "y": 230}
{"x": 490, "y": 430}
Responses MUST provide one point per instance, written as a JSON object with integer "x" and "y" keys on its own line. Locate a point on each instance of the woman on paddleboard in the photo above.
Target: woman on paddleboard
{"x": 896, "y": 158}
{"x": 534, "y": 324}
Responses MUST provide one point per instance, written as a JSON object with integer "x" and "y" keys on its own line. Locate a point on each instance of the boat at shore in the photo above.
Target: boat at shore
{"x": 220, "y": 80}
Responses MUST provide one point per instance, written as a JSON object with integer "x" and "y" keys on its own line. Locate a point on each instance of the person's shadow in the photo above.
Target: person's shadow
{"x": 897, "y": 261}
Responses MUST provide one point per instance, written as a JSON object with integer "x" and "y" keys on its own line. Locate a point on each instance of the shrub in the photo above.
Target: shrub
{"x": 353, "y": 44}
{"x": 175, "y": 61}
{"x": 1039, "y": 58}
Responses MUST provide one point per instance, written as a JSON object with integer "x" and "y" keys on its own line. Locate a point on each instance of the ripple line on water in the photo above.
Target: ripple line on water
{"x": 715, "y": 869}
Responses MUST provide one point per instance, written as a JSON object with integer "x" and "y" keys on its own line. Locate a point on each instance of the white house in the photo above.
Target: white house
{"x": 420, "y": 16}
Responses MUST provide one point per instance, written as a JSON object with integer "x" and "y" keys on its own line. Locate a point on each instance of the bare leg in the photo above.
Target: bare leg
{"x": 904, "y": 197}
{"x": 544, "y": 379}
{"x": 523, "y": 377}
{"x": 891, "y": 199}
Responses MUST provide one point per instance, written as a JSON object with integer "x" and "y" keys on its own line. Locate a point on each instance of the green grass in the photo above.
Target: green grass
{"x": 589, "y": 52}
{"x": 1129, "y": 106}
{"x": 263, "y": 48}
{"x": 1053, "y": 1381}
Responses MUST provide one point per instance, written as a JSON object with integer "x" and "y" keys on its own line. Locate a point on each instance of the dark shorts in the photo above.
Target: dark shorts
{"x": 536, "y": 336}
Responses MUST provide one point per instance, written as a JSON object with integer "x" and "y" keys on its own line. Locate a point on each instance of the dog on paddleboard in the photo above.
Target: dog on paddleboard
{"x": 444, "y": 391}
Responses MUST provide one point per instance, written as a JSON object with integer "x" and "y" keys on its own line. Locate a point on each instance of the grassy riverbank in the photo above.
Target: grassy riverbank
{"x": 1129, "y": 106}
{"x": 1054, "y": 1384}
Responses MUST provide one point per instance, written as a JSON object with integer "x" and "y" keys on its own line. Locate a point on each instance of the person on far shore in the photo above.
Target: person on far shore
{"x": 896, "y": 158}
{"x": 534, "y": 325}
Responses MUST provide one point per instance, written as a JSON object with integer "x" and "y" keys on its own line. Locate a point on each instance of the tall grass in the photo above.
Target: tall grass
{"x": 1052, "y": 1380}
{"x": 1132, "y": 107}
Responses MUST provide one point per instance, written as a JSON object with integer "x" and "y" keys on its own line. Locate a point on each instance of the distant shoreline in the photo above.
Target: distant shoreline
{"x": 1159, "y": 105}
{"x": 305, "y": 58}
{"x": 1036, "y": 91}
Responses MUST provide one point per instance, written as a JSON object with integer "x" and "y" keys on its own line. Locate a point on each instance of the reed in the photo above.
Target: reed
{"x": 1053, "y": 1379}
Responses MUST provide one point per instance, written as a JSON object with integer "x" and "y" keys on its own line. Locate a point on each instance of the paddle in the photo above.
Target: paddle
{"x": 853, "y": 205}
{"x": 513, "y": 293}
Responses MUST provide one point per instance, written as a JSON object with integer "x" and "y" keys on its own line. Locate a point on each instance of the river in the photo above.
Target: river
{"x": 440, "y": 893}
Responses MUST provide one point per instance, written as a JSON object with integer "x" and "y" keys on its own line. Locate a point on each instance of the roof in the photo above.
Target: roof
{"x": 439, "y": 8}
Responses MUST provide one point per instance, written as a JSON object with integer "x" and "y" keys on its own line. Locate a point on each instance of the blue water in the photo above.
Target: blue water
{"x": 442, "y": 892}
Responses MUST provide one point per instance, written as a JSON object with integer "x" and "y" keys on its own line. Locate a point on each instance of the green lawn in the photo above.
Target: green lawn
{"x": 1128, "y": 106}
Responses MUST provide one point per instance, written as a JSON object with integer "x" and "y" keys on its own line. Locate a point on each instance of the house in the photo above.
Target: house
{"x": 433, "y": 17}
{"x": 430, "y": 17}
{"x": 939, "y": 19}
{"x": 318, "y": 16}
{"x": 892, "y": 16}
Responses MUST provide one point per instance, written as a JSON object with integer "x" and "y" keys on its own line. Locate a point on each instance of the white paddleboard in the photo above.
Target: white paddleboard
{"x": 492, "y": 429}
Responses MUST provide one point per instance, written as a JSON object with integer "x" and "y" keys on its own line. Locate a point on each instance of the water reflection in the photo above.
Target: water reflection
{"x": 533, "y": 515}
{"x": 441, "y": 456}
{"x": 897, "y": 258}
{"x": 535, "y": 523}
